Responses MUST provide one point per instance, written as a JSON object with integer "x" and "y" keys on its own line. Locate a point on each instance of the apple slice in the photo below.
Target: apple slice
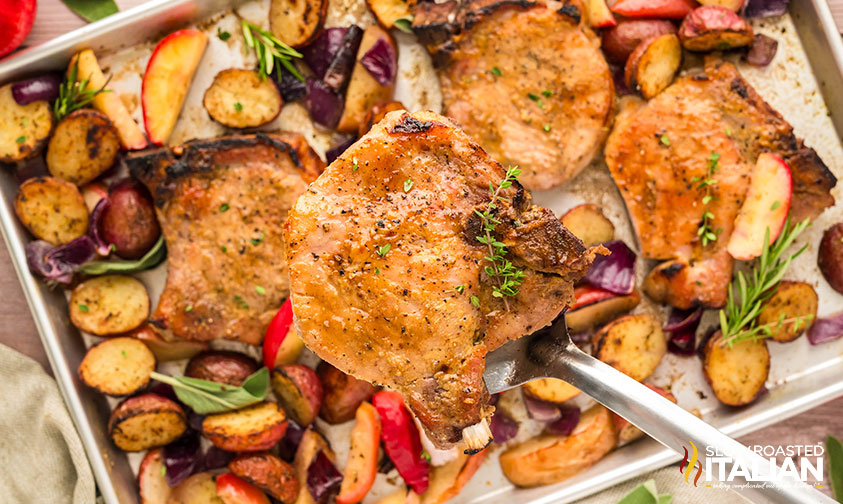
{"x": 362, "y": 466}
{"x": 766, "y": 207}
{"x": 167, "y": 79}
{"x": 16, "y": 20}
{"x": 151, "y": 481}
{"x": 234, "y": 490}
{"x": 595, "y": 306}
{"x": 599, "y": 15}
{"x": 734, "y": 5}
{"x": 281, "y": 344}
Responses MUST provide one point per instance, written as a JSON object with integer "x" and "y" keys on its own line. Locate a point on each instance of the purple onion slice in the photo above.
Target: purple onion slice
{"x": 614, "y": 272}
{"x": 325, "y": 106}
{"x": 762, "y": 51}
{"x": 503, "y": 427}
{"x": 322, "y": 476}
{"x": 566, "y": 423}
{"x": 321, "y": 52}
{"x": 44, "y": 87}
{"x": 181, "y": 458}
{"x": 216, "y": 458}
{"x": 380, "y": 60}
{"x": 826, "y": 329}
{"x": 683, "y": 342}
{"x": 57, "y": 264}
{"x": 764, "y": 8}
{"x": 541, "y": 411}
{"x": 337, "y": 150}
{"x": 103, "y": 248}
{"x": 682, "y": 319}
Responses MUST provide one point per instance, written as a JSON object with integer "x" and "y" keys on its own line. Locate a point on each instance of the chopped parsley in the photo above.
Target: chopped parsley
{"x": 238, "y": 106}
{"x": 408, "y": 184}
{"x": 664, "y": 140}
{"x": 223, "y": 34}
{"x": 241, "y": 302}
{"x": 377, "y": 271}
{"x": 224, "y": 207}
{"x": 260, "y": 290}
{"x": 124, "y": 354}
{"x": 83, "y": 307}
{"x": 257, "y": 241}
{"x": 474, "y": 300}
{"x": 188, "y": 308}
{"x": 536, "y": 99}
{"x": 728, "y": 131}
{"x": 496, "y": 71}
{"x": 547, "y": 93}
{"x": 224, "y": 249}
{"x": 460, "y": 288}
{"x": 775, "y": 205}
{"x": 20, "y": 139}
{"x": 384, "y": 249}
{"x": 546, "y": 127}
{"x": 425, "y": 455}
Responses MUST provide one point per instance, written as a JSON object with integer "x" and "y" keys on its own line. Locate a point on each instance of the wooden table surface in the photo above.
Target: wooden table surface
{"x": 18, "y": 331}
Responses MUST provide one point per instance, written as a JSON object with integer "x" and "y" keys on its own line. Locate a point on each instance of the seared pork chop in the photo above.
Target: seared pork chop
{"x": 658, "y": 153}
{"x": 387, "y": 275}
{"x": 526, "y": 80}
{"x": 222, "y": 205}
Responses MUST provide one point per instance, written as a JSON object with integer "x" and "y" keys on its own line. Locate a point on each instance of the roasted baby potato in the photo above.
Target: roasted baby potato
{"x": 376, "y": 113}
{"x": 51, "y": 209}
{"x": 714, "y": 28}
{"x": 299, "y": 391}
{"x": 117, "y": 366}
{"x": 84, "y": 145}
{"x": 312, "y": 442}
{"x": 254, "y": 428}
{"x": 221, "y": 366}
{"x": 633, "y": 344}
{"x": 830, "y": 256}
{"x": 628, "y": 432}
{"x": 550, "y": 390}
{"x": 736, "y": 373}
{"x": 364, "y": 91}
{"x": 269, "y": 473}
{"x": 146, "y": 421}
{"x": 199, "y": 488}
{"x": 620, "y": 40}
{"x": 167, "y": 350}
{"x": 109, "y": 304}
{"x": 388, "y": 12}
{"x": 152, "y": 482}
{"x": 594, "y": 307}
{"x": 297, "y": 22}
{"x": 653, "y": 64}
{"x": 24, "y": 129}
{"x": 129, "y": 223}
{"x": 550, "y": 459}
{"x": 343, "y": 394}
{"x": 588, "y": 223}
{"x": 241, "y": 99}
{"x": 790, "y": 311}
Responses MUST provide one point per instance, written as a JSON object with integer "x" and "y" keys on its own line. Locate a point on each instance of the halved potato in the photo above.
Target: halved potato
{"x": 269, "y": 473}
{"x": 254, "y": 428}
{"x": 165, "y": 349}
{"x": 628, "y": 432}
{"x": 117, "y": 366}
{"x": 299, "y": 390}
{"x": 152, "y": 481}
{"x": 790, "y": 311}
{"x": 653, "y": 64}
{"x": 588, "y": 223}
{"x": 221, "y": 366}
{"x": 297, "y": 22}
{"x": 51, "y": 209}
{"x": 146, "y": 421}
{"x": 241, "y": 99}
{"x": 364, "y": 91}
{"x": 550, "y": 459}
{"x": 633, "y": 344}
{"x": 737, "y": 373}
{"x": 343, "y": 394}
{"x": 830, "y": 256}
{"x": 84, "y": 145}
{"x": 620, "y": 40}
{"x": 389, "y": 11}
{"x": 595, "y": 306}
{"x": 714, "y": 28}
{"x": 24, "y": 129}
{"x": 550, "y": 390}
{"x": 199, "y": 488}
{"x": 109, "y": 304}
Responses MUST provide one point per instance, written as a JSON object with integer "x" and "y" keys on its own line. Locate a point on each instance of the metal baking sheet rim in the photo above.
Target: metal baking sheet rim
{"x": 116, "y": 482}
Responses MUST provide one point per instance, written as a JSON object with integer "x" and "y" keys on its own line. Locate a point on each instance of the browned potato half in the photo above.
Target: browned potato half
{"x": 312, "y": 442}
{"x": 117, "y": 366}
{"x": 633, "y": 344}
{"x": 599, "y": 311}
{"x": 167, "y": 349}
{"x": 109, "y": 304}
{"x": 550, "y": 459}
{"x": 254, "y": 428}
{"x": 653, "y": 64}
{"x": 550, "y": 390}
{"x": 297, "y": 22}
{"x": 364, "y": 92}
{"x": 199, "y": 488}
{"x": 714, "y": 28}
{"x": 241, "y": 99}
{"x": 790, "y": 311}
{"x": 299, "y": 391}
{"x": 269, "y": 473}
{"x": 51, "y": 209}
{"x": 737, "y": 373}
{"x": 376, "y": 113}
{"x": 129, "y": 222}
{"x": 24, "y": 129}
{"x": 628, "y": 432}
{"x": 620, "y": 40}
{"x": 343, "y": 394}
{"x": 221, "y": 366}
{"x": 389, "y": 11}
{"x": 830, "y": 256}
{"x": 84, "y": 145}
{"x": 588, "y": 223}
{"x": 146, "y": 421}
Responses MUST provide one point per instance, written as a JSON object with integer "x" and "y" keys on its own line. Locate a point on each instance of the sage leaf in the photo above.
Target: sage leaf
{"x": 645, "y": 493}
{"x": 207, "y": 397}
{"x": 404, "y": 24}
{"x": 92, "y": 10}
{"x": 835, "y": 466}
{"x": 151, "y": 259}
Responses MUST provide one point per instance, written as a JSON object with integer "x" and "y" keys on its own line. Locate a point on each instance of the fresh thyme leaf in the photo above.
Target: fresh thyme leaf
{"x": 547, "y": 93}
{"x": 728, "y": 131}
{"x": 224, "y": 249}
{"x": 664, "y": 140}
{"x": 223, "y": 34}
{"x": 188, "y": 308}
{"x": 83, "y": 307}
{"x": 124, "y": 354}
{"x": 241, "y": 302}
{"x": 224, "y": 207}
{"x": 496, "y": 71}
{"x": 460, "y": 288}
{"x": 384, "y": 249}
{"x": 775, "y": 205}
{"x": 355, "y": 167}
{"x": 257, "y": 241}
{"x": 206, "y": 397}
{"x": 546, "y": 127}
{"x": 74, "y": 94}
{"x": 404, "y": 24}
{"x": 20, "y": 139}
{"x": 272, "y": 54}
{"x": 260, "y": 290}
{"x": 408, "y": 184}
{"x": 474, "y": 300}
{"x": 536, "y": 99}
{"x": 238, "y": 106}
{"x": 705, "y": 231}
{"x": 377, "y": 271}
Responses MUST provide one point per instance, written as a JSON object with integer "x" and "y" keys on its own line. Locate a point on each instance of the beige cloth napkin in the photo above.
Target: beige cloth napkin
{"x": 41, "y": 455}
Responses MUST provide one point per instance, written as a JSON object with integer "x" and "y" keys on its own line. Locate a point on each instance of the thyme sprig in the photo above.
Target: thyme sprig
{"x": 706, "y": 233}
{"x": 271, "y": 52}
{"x": 507, "y": 276}
{"x": 748, "y": 295}
{"x": 74, "y": 94}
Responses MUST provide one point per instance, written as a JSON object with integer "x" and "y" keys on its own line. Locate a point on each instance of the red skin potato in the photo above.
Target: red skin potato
{"x": 619, "y": 41}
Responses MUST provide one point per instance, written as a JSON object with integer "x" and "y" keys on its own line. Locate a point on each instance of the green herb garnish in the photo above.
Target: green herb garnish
{"x": 355, "y": 167}
{"x": 151, "y": 259}
{"x": 238, "y": 106}
{"x": 206, "y": 397}
{"x": 224, "y": 207}
{"x": 496, "y": 71}
{"x": 83, "y": 307}
{"x": 260, "y": 290}
{"x": 664, "y": 140}
{"x": 536, "y": 99}
{"x": 408, "y": 184}
{"x": 257, "y": 241}
{"x": 241, "y": 302}
{"x": 223, "y": 34}
{"x": 21, "y": 139}
{"x": 271, "y": 52}
{"x": 74, "y": 94}
{"x": 459, "y": 288}
{"x": 706, "y": 233}
{"x": 547, "y": 93}
{"x": 383, "y": 250}
{"x": 404, "y": 23}
{"x": 188, "y": 308}
{"x": 474, "y": 300}
{"x": 546, "y": 127}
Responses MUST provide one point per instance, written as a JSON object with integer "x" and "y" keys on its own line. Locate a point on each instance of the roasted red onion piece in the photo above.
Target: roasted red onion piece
{"x": 320, "y": 53}
{"x": 826, "y": 329}
{"x": 325, "y": 106}
{"x": 764, "y": 8}
{"x": 337, "y": 150}
{"x": 57, "y": 264}
{"x": 682, "y": 319}
{"x": 339, "y": 71}
{"x": 291, "y": 88}
{"x": 95, "y": 227}
{"x": 566, "y": 423}
{"x": 503, "y": 426}
{"x": 380, "y": 60}
{"x": 762, "y": 51}
{"x": 614, "y": 272}
{"x": 541, "y": 411}
{"x": 181, "y": 458}
{"x": 44, "y": 87}
{"x": 683, "y": 342}
{"x": 322, "y": 476}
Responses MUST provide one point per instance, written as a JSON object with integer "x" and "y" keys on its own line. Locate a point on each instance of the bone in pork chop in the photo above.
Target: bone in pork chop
{"x": 526, "y": 80}
{"x": 714, "y": 112}
{"x": 387, "y": 275}
{"x": 222, "y": 205}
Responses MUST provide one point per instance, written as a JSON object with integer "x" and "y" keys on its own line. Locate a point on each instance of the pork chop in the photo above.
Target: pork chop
{"x": 389, "y": 281}
{"x": 526, "y": 80}
{"x": 659, "y": 152}
{"x": 222, "y": 204}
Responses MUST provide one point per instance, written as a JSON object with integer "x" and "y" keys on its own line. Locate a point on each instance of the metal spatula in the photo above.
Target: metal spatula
{"x": 551, "y": 354}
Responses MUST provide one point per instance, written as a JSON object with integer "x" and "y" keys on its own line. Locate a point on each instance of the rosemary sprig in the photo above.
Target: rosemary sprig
{"x": 271, "y": 52}
{"x": 738, "y": 319}
{"x": 508, "y": 277}
{"x": 705, "y": 231}
{"x": 74, "y": 94}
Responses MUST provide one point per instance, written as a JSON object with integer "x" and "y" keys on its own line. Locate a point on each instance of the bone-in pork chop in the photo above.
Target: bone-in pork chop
{"x": 222, "y": 205}
{"x": 525, "y": 80}
{"x": 660, "y": 151}
{"x": 388, "y": 279}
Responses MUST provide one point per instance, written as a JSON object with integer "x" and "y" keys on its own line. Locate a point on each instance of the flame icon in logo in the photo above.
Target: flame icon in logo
{"x": 686, "y": 466}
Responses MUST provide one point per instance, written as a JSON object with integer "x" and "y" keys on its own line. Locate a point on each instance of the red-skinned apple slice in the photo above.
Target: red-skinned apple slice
{"x": 734, "y": 5}
{"x": 766, "y": 207}
{"x": 281, "y": 344}
{"x": 16, "y": 19}
{"x": 401, "y": 440}
{"x": 234, "y": 490}
{"x": 151, "y": 481}
{"x": 362, "y": 466}
{"x": 599, "y": 14}
{"x": 659, "y": 9}
{"x": 167, "y": 79}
